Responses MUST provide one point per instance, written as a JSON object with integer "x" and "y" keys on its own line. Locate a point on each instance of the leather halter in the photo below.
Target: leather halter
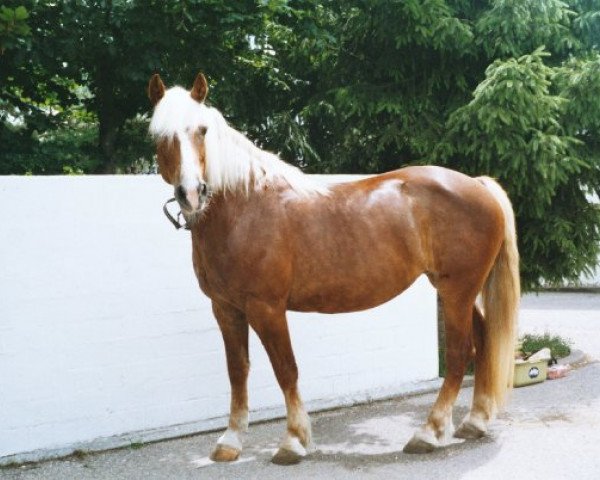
{"x": 180, "y": 221}
{"x": 177, "y": 222}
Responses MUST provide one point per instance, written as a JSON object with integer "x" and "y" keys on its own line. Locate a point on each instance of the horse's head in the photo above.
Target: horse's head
{"x": 179, "y": 124}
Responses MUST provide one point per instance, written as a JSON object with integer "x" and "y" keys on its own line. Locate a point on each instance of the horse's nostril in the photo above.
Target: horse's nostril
{"x": 203, "y": 189}
{"x": 180, "y": 194}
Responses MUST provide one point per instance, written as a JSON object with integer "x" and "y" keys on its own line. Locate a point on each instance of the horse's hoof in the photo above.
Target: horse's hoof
{"x": 469, "y": 431}
{"x": 225, "y": 453}
{"x": 286, "y": 457}
{"x": 418, "y": 445}
{"x": 423, "y": 441}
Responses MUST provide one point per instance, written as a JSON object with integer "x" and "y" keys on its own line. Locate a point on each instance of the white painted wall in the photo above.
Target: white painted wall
{"x": 105, "y": 338}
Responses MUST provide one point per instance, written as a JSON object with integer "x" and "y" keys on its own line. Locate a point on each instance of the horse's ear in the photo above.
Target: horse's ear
{"x": 156, "y": 89}
{"x": 200, "y": 88}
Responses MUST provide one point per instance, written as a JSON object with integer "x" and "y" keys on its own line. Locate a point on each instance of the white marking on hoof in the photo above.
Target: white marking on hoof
{"x": 293, "y": 444}
{"x": 230, "y": 438}
{"x": 471, "y": 428}
{"x": 448, "y": 434}
{"x": 291, "y": 451}
{"x": 423, "y": 441}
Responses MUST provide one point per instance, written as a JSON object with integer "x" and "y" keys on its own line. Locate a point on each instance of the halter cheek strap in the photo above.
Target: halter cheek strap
{"x": 177, "y": 222}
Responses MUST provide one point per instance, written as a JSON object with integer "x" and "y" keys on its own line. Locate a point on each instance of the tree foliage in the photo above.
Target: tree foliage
{"x": 511, "y": 28}
{"x": 110, "y": 48}
{"x": 389, "y": 77}
{"x": 512, "y": 129}
{"x": 507, "y": 88}
{"x": 13, "y": 27}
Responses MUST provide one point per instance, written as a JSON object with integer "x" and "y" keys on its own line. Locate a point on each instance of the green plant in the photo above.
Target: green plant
{"x": 559, "y": 347}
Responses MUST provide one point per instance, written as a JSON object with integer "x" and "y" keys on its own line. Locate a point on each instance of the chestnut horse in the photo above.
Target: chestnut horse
{"x": 266, "y": 239}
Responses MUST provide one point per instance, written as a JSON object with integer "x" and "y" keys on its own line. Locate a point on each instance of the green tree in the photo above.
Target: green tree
{"x": 112, "y": 47}
{"x": 40, "y": 112}
{"x": 511, "y": 28}
{"x": 391, "y": 74}
{"x": 513, "y": 130}
{"x": 13, "y": 27}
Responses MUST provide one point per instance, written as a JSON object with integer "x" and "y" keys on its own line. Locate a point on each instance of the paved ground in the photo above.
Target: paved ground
{"x": 549, "y": 431}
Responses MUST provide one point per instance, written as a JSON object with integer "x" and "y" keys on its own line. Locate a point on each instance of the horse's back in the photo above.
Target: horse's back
{"x": 435, "y": 198}
{"x": 443, "y": 219}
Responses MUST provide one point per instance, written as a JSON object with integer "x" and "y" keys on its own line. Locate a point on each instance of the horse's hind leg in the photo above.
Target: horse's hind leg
{"x": 439, "y": 427}
{"x": 270, "y": 324}
{"x": 483, "y": 408}
{"x": 234, "y": 328}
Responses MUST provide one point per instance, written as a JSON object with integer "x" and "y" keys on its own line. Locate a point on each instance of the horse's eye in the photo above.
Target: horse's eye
{"x": 202, "y": 131}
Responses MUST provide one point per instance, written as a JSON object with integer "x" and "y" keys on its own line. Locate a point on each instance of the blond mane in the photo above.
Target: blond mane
{"x": 233, "y": 163}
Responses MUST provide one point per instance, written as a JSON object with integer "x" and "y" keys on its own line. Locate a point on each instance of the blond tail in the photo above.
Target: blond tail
{"x": 501, "y": 295}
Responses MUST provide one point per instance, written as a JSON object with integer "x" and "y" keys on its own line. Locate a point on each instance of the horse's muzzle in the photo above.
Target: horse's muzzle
{"x": 191, "y": 205}
{"x": 192, "y": 200}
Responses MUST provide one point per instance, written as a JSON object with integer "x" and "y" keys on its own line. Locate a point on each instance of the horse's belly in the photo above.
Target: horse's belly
{"x": 350, "y": 294}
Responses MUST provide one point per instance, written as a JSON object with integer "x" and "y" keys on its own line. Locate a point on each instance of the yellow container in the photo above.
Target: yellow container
{"x": 527, "y": 373}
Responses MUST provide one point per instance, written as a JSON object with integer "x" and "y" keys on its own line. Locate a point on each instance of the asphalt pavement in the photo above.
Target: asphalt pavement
{"x": 548, "y": 431}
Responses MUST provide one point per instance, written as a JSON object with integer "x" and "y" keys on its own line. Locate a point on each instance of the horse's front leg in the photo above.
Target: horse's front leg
{"x": 270, "y": 323}
{"x": 234, "y": 328}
